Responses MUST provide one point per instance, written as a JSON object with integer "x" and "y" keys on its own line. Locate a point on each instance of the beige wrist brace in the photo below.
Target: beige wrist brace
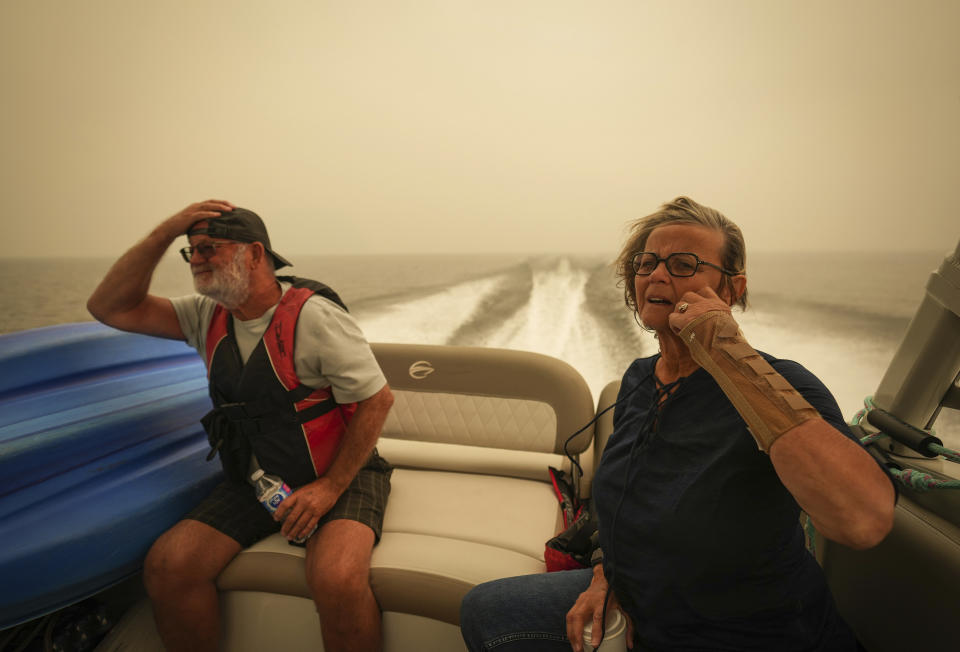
{"x": 766, "y": 401}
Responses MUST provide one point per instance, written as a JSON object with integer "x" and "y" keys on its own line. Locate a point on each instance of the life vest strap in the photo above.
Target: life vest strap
{"x": 317, "y": 410}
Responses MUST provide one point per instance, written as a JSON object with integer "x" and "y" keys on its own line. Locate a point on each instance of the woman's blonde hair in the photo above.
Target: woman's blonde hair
{"x": 682, "y": 210}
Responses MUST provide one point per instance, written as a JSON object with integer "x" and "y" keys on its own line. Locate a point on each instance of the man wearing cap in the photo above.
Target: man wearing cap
{"x": 303, "y": 399}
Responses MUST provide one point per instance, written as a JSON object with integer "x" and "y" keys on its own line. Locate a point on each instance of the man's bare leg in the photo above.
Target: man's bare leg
{"x": 338, "y": 573}
{"x": 179, "y": 574}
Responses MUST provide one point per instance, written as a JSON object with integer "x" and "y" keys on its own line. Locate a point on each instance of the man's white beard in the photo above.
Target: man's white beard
{"x": 228, "y": 285}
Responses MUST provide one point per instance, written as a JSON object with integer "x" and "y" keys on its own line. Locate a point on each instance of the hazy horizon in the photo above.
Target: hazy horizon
{"x": 448, "y": 126}
{"x": 934, "y": 252}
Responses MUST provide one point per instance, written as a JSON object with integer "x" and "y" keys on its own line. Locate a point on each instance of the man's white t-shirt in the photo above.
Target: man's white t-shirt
{"x": 329, "y": 350}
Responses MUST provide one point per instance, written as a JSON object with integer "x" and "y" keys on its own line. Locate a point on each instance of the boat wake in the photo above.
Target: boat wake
{"x": 542, "y": 305}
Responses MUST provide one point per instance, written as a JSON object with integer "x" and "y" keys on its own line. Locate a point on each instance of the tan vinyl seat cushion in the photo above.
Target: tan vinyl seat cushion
{"x": 443, "y": 533}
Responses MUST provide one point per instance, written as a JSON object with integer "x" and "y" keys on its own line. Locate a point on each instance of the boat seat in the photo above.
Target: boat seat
{"x": 902, "y": 594}
{"x": 471, "y": 436}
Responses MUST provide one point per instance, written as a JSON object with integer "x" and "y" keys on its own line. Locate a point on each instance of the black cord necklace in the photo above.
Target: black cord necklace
{"x": 662, "y": 397}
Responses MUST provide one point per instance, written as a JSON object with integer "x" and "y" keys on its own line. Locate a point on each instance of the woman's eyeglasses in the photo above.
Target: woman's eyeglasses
{"x": 680, "y": 264}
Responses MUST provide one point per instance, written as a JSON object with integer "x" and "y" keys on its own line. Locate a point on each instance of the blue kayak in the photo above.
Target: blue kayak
{"x": 101, "y": 450}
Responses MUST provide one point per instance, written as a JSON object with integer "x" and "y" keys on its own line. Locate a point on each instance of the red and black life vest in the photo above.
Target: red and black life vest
{"x": 294, "y": 430}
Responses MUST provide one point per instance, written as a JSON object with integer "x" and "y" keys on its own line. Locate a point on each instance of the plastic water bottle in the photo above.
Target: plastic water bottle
{"x": 271, "y": 491}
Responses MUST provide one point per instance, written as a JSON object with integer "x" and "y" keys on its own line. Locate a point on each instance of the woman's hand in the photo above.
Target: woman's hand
{"x": 589, "y": 608}
{"x": 694, "y": 304}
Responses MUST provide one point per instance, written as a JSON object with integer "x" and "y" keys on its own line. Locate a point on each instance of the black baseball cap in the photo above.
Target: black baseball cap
{"x": 241, "y": 225}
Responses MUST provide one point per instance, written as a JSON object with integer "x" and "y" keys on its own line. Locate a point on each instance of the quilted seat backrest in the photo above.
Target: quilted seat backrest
{"x": 485, "y": 398}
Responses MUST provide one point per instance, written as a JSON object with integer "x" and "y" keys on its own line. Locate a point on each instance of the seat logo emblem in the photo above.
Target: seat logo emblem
{"x": 421, "y": 369}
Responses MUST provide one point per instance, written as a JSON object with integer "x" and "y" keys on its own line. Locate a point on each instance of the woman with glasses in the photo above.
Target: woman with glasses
{"x": 715, "y": 450}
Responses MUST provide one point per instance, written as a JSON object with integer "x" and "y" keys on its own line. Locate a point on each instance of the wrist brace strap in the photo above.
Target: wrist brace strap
{"x": 766, "y": 401}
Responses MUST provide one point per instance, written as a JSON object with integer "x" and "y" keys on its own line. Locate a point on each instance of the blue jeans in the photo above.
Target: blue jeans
{"x": 522, "y": 613}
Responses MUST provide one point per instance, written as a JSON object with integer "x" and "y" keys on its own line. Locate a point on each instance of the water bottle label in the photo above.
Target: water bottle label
{"x": 272, "y": 502}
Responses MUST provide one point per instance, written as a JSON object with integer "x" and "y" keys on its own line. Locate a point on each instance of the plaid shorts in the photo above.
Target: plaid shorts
{"x": 232, "y": 507}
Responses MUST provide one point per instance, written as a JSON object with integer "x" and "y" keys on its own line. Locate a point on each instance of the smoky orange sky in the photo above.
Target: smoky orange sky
{"x": 497, "y": 126}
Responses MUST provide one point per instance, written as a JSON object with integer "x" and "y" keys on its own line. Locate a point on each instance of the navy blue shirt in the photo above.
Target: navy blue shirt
{"x": 702, "y": 543}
